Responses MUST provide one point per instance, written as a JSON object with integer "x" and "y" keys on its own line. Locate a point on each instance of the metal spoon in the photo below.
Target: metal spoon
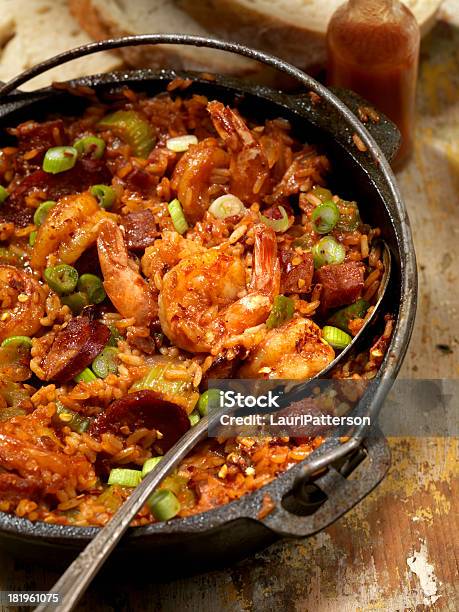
{"x": 79, "y": 575}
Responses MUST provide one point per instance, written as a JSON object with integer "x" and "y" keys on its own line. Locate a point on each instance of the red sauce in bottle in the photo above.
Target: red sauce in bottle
{"x": 373, "y": 49}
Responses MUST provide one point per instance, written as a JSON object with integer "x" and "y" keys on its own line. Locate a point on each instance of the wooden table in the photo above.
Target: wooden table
{"x": 398, "y": 550}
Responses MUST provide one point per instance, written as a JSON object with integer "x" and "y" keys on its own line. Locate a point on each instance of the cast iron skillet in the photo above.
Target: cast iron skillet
{"x": 300, "y": 507}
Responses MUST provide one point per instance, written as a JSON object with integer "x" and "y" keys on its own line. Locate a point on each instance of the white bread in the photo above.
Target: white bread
{"x": 34, "y": 30}
{"x": 314, "y": 15}
{"x": 107, "y": 18}
{"x": 292, "y": 29}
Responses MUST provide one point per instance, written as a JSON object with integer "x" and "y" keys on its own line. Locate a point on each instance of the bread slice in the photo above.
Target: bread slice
{"x": 110, "y": 18}
{"x": 34, "y": 30}
{"x": 292, "y": 29}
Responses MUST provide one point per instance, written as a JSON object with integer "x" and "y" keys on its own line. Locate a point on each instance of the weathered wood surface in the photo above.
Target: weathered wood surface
{"x": 399, "y": 549}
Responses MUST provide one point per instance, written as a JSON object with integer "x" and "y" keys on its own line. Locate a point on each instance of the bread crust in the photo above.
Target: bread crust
{"x": 305, "y": 49}
{"x": 100, "y": 26}
{"x": 303, "y": 46}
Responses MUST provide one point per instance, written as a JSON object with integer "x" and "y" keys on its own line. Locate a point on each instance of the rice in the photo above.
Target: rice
{"x": 364, "y": 246}
{"x": 54, "y": 462}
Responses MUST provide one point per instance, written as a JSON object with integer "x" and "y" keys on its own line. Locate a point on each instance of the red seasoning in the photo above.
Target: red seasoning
{"x": 373, "y": 49}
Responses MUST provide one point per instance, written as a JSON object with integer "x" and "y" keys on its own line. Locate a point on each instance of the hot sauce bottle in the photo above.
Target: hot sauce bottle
{"x": 373, "y": 49}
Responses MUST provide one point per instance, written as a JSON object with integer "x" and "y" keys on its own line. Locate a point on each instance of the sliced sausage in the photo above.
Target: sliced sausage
{"x": 14, "y": 210}
{"x": 88, "y": 262}
{"x": 142, "y": 182}
{"x": 297, "y": 271}
{"x": 140, "y": 230}
{"x": 40, "y": 136}
{"x": 74, "y": 348}
{"x": 307, "y": 406}
{"x": 341, "y": 284}
{"x": 85, "y": 173}
{"x": 144, "y": 409}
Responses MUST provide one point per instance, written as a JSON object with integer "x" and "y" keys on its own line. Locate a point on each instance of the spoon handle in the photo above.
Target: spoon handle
{"x": 73, "y": 583}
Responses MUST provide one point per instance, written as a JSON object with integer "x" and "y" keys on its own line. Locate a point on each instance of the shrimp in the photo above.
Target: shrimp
{"x": 70, "y": 228}
{"x": 166, "y": 252}
{"x": 200, "y": 307}
{"x": 306, "y": 170}
{"x": 249, "y": 166}
{"x": 192, "y": 177}
{"x": 127, "y": 289}
{"x": 292, "y": 351}
{"x": 22, "y": 303}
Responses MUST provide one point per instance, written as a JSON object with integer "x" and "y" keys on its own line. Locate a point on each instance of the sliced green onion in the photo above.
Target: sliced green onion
{"x": 33, "y": 238}
{"x": 61, "y": 278}
{"x": 349, "y": 219}
{"x": 105, "y": 195}
{"x": 91, "y": 146}
{"x": 177, "y": 484}
{"x": 227, "y": 206}
{"x": 211, "y": 395}
{"x": 325, "y": 217}
{"x": 124, "y": 477}
{"x": 179, "y": 144}
{"x": 335, "y": 337}
{"x": 164, "y": 505}
{"x": 3, "y": 194}
{"x": 194, "y": 417}
{"x": 178, "y": 218}
{"x": 92, "y": 286}
{"x": 133, "y": 128}
{"x": 328, "y": 251}
{"x": 150, "y": 465}
{"x": 75, "y": 301}
{"x": 86, "y": 375}
{"x": 70, "y": 418}
{"x": 322, "y": 193}
{"x": 342, "y": 317}
{"x": 114, "y": 336}
{"x": 282, "y": 311}
{"x": 278, "y": 225}
{"x": 42, "y": 212}
{"x": 18, "y": 341}
{"x": 156, "y": 380}
{"x": 105, "y": 363}
{"x": 59, "y": 159}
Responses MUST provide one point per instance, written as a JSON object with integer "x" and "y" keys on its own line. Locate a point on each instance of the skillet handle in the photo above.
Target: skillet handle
{"x": 383, "y": 130}
{"x": 295, "y": 517}
{"x": 323, "y": 114}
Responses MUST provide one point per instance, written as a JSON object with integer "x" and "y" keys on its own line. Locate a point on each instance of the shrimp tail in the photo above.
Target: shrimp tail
{"x": 230, "y": 126}
{"x": 254, "y": 308}
{"x": 249, "y": 165}
{"x": 111, "y": 249}
{"x": 129, "y": 292}
{"x": 266, "y": 268}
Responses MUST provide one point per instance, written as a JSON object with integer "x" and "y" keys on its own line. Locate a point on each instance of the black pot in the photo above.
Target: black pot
{"x": 239, "y": 528}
